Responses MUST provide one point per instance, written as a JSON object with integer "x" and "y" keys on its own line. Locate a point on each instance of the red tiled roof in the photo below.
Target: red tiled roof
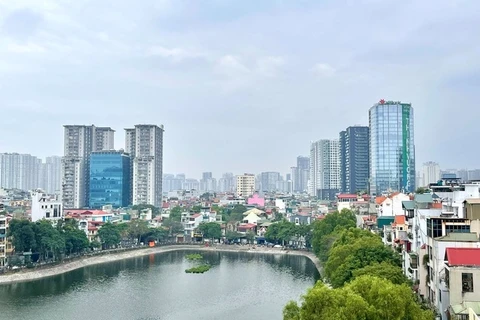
{"x": 165, "y": 205}
{"x": 379, "y": 200}
{"x": 463, "y": 256}
{"x": 246, "y": 226}
{"x": 400, "y": 219}
{"x": 347, "y": 196}
{"x": 196, "y": 215}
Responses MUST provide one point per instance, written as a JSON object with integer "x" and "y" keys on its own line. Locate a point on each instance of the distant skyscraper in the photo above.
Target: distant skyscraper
{"x": 430, "y": 173}
{"x": 324, "y": 169}
{"x": 20, "y": 171}
{"x": 51, "y": 175}
{"x": 226, "y": 183}
{"x": 300, "y": 174}
{"x": 269, "y": 181}
{"x": 245, "y": 185}
{"x": 191, "y": 184}
{"x": 144, "y": 144}
{"x": 392, "y": 147}
{"x": 109, "y": 179}
{"x": 354, "y": 159}
{"x": 208, "y": 183}
{"x": 79, "y": 142}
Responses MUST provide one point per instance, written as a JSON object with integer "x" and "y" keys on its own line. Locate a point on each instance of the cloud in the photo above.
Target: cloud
{"x": 27, "y": 48}
{"x": 269, "y": 66}
{"x": 230, "y": 65}
{"x": 324, "y": 69}
{"x": 176, "y": 54}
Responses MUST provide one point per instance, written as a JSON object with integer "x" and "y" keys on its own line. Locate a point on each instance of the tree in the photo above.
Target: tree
{"x": 366, "y": 297}
{"x": 176, "y": 213}
{"x": 197, "y": 208}
{"x": 173, "y": 226}
{"x": 109, "y": 235}
{"x": 50, "y": 240}
{"x": 332, "y": 223}
{"x": 23, "y": 235}
{"x": 420, "y": 190}
{"x": 383, "y": 270}
{"x": 250, "y": 236}
{"x": 141, "y": 207}
{"x": 232, "y": 235}
{"x": 137, "y": 229}
{"x": 210, "y": 230}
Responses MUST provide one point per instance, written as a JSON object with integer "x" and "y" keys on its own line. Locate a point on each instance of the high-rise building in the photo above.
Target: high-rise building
{"x": 109, "y": 179}
{"x": 144, "y": 144}
{"x": 324, "y": 169}
{"x": 300, "y": 174}
{"x": 392, "y": 147}
{"x": 19, "y": 171}
{"x": 269, "y": 181}
{"x": 226, "y": 183}
{"x": 208, "y": 183}
{"x": 79, "y": 142}
{"x": 51, "y": 175}
{"x": 430, "y": 173}
{"x": 354, "y": 159}
{"x": 245, "y": 185}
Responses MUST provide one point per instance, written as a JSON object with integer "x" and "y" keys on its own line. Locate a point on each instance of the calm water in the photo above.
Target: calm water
{"x": 239, "y": 286}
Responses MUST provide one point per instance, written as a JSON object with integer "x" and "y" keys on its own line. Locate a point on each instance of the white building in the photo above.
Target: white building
{"x": 50, "y": 178}
{"x": 144, "y": 143}
{"x": 324, "y": 169}
{"x": 245, "y": 185}
{"x": 19, "y": 171}
{"x": 191, "y": 222}
{"x": 45, "y": 206}
{"x": 79, "y": 142}
{"x": 392, "y": 205}
{"x": 430, "y": 173}
{"x": 3, "y": 240}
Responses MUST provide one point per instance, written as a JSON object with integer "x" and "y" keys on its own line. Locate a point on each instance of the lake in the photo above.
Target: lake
{"x": 238, "y": 286}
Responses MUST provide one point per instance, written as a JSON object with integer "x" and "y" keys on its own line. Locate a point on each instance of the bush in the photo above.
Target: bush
{"x": 200, "y": 269}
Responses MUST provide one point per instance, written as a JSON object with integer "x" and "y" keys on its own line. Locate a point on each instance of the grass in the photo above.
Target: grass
{"x": 194, "y": 256}
{"x": 199, "y": 269}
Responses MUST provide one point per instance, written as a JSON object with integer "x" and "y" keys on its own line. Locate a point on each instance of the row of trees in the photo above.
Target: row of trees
{"x": 48, "y": 242}
{"x": 284, "y": 231}
{"x": 364, "y": 276}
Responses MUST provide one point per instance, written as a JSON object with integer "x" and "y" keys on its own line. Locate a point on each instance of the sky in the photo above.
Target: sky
{"x": 240, "y": 86}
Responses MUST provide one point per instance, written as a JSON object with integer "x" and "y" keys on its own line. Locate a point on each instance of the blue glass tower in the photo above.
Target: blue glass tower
{"x": 109, "y": 179}
{"x": 354, "y": 159}
{"x": 392, "y": 147}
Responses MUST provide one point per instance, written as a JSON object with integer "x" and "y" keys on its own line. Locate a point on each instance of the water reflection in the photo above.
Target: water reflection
{"x": 156, "y": 287}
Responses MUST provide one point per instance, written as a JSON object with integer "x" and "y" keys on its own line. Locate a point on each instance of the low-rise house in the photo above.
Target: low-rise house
{"x": 190, "y": 222}
{"x": 45, "y": 206}
{"x": 462, "y": 280}
{"x": 300, "y": 218}
{"x": 246, "y": 227}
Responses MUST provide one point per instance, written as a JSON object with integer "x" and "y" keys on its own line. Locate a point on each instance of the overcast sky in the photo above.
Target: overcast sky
{"x": 241, "y": 86}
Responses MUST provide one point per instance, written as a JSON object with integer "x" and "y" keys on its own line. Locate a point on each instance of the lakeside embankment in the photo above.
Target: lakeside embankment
{"x": 29, "y": 274}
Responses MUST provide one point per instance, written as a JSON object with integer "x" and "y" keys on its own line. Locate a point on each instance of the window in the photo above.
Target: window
{"x": 467, "y": 282}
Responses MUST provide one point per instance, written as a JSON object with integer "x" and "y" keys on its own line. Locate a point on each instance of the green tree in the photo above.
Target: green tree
{"x": 420, "y": 190}
{"x": 197, "y": 208}
{"x": 332, "y": 224}
{"x": 210, "y": 230}
{"x": 366, "y": 297}
{"x": 23, "y": 235}
{"x": 250, "y": 236}
{"x": 50, "y": 241}
{"x": 383, "y": 270}
{"x": 76, "y": 240}
{"x": 109, "y": 235}
{"x": 174, "y": 227}
{"x": 232, "y": 235}
{"x": 176, "y": 213}
{"x": 138, "y": 229}
{"x": 141, "y": 207}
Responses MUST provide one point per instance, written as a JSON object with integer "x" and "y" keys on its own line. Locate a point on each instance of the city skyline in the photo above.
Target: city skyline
{"x": 166, "y": 67}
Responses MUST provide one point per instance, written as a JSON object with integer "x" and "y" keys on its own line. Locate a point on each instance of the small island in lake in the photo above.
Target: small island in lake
{"x": 194, "y": 256}
{"x": 199, "y": 269}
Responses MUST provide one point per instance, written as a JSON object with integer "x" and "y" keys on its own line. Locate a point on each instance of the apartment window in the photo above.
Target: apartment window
{"x": 467, "y": 282}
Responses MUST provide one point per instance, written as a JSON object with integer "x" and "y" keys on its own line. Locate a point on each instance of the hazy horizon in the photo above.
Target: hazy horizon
{"x": 240, "y": 86}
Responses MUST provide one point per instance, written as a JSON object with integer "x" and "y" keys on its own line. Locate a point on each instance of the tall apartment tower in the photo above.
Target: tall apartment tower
{"x": 430, "y": 173}
{"x": 392, "y": 147}
{"x": 19, "y": 171}
{"x": 300, "y": 174}
{"x": 269, "y": 181}
{"x": 354, "y": 159}
{"x": 79, "y": 142}
{"x": 51, "y": 175}
{"x": 245, "y": 185}
{"x": 144, "y": 143}
{"x": 324, "y": 169}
